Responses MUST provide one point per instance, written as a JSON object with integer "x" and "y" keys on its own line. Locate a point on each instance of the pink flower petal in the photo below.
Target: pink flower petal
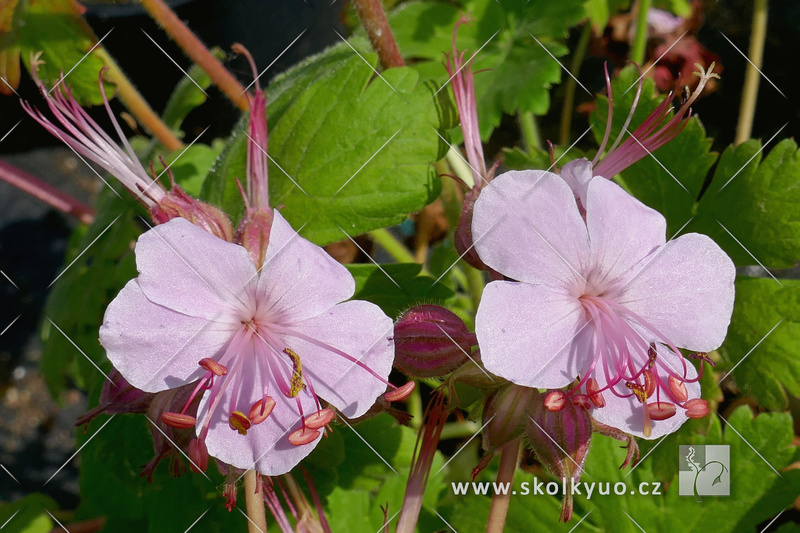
{"x": 622, "y": 231}
{"x": 685, "y": 290}
{"x": 578, "y": 173}
{"x": 299, "y": 279}
{"x": 627, "y": 414}
{"x": 346, "y": 385}
{"x": 187, "y": 269}
{"x": 154, "y": 347}
{"x": 529, "y": 334}
{"x": 526, "y": 225}
{"x": 266, "y": 446}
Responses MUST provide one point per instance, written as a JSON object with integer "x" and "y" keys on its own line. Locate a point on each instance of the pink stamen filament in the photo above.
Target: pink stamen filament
{"x": 617, "y": 343}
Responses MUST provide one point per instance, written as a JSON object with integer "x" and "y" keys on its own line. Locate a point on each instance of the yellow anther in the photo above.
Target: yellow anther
{"x": 296, "y": 383}
{"x": 238, "y": 421}
{"x": 638, "y": 390}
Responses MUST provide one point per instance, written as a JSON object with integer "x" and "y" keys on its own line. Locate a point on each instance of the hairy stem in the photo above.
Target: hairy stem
{"x": 46, "y": 193}
{"x": 569, "y": 89}
{"x": 197, "y": 51}
{"x": 509, "y": 456}
{"x": 639, "y": 46}
{"x": 747, "y": 108}
{"x": 137, "y": 105}
{"x": 380, "y": 34}
{"x": 475, "y": 284}
{"x": 254, "y": 501}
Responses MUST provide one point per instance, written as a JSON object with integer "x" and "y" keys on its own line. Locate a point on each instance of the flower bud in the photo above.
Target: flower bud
{"x": 253, "y": 234}
{"x": 561, "y": 441}
{"x": 177, "y": 203}
{"x": 430, "y": 341}
{"x": 505, "y": 414}
{"x": 165, "y": 436}
{"x": 118, "y": 396}
{"x": 463, "y": 240}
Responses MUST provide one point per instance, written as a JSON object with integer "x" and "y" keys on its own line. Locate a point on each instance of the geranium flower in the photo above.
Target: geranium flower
{"x": 603, "y": 300}
{"x": 264, "y": 346}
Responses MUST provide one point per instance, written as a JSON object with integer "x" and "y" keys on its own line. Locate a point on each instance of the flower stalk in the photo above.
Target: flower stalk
{"x": 380, "y": 34}
{"x": 752, "y": 77}
{"x": 137, "y": 105}
{"x": 509, "y": 457}
{"x": 45, "y": 192}
{"x": 197, "y": 51}
{"x": 254, "y": 501}
{"x": 424, "y": 452}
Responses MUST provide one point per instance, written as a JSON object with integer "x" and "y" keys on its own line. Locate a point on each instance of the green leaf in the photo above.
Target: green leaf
{"x": 397, "y": 286}
{"x": 186, "y": 96}
{"x": 599, "y": 11}
{"x": 99, "y": 261}
{"x": 757, "y": 492}
{"x": 756, "y": 203}
{"x": 114, "y": 458}
{"x": 191, "y": 165}
{"x": 751, "y": 208}
{"x": 522, "y": 70}
{"x": 28, "y": 515}
{"x": 349, "y": 511}
{"x": 56, "y": 28}
{"x": 349, "y": 154}
{"x": 763, "y": 340}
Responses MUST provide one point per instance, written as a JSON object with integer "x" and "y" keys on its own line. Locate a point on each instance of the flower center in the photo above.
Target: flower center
{"x": 258, "y": 348}
{"x": 625, "y": 351}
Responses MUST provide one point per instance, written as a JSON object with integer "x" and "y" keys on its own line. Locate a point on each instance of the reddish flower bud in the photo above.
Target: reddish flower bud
{"x": 253, "y": 234}
{"x": 118, "y": 396}
{"x": 560, "y": 440}
{"x": 430, "y": 341}
{"x": 177, "y": 203}
{"x": 505, "y": 413}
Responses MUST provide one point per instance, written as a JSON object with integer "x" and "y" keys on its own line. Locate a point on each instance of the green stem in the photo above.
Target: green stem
{"x": 640, "y": 39}
{"x": 392, "y": 245}
{"x": 197, "y": 51}
{"x": 509, "y": 456}
{"x": 747, "y": 109}
{"x": 460, "y": 167}
{"x": 529, "y": 130}
{"x": 459, "y": 430}
{"x": 569, "y": 89}
{"x": 475, "y": 284}
{"x": 414, "y": 404}
{"x": 136, "y": 104}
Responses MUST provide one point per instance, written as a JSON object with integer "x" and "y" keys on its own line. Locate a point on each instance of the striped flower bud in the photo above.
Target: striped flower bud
{"x": 505, "y": 414}
{"x": 430, "y": 341}
{"x": 561, "y": 441}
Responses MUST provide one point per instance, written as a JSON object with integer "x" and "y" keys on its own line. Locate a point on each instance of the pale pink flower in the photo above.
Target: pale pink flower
{"x": 603, "y": 300}
{"x": 266, "y": 345}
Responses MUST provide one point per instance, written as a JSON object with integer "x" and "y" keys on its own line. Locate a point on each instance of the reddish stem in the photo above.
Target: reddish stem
{"x": 46, "y": 193}
{"x": 380, "y": 34}
{"x": 197, "y": 51}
